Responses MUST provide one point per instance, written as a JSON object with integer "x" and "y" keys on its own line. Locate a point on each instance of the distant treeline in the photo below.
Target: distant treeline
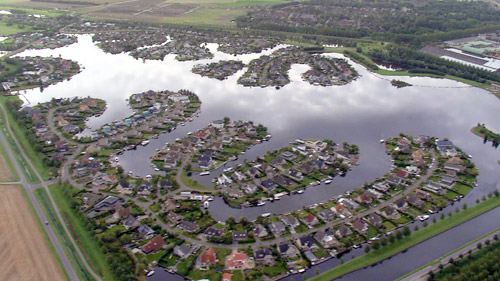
{"x": 418, "y": 62}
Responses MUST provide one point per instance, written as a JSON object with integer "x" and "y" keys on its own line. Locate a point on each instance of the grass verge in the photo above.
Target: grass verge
{"x": 88, "y": 245}
{"x": 192, "y": 183}
{"x": 52, "y": 249}
{"x": 15, "y": 176}
{"x": 26, "y": 146}
{"x": 43, "y": 198}
{"x": 25, "y": 168}
{"x": 447, "y": 255}
{"x": 414, "y": 239}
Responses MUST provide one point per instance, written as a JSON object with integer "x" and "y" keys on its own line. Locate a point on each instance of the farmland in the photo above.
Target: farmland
{"x": 25, "y": 252}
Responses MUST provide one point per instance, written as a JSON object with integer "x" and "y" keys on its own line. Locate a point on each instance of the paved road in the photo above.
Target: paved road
{"x": 30, "y": 188}
{"x": 422, "y": 275}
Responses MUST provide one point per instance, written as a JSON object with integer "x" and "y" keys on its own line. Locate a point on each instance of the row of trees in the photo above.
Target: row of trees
{"x": 420, "y": 62}
{"x": 117, "y": 258}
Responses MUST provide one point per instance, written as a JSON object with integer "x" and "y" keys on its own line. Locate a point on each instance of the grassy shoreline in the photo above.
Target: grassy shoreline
{"x": 15, "y": 176}
{"x": 414, "y": 239}
{"x": 446, "y": 255}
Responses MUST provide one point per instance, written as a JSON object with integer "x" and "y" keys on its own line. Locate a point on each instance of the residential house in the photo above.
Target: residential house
{"x": 360, "y": 226}
{"x": 375, "y": 220}
{"x": 290, "y": 221}
{"x": 208, "y": 259}
{"x": 310, "y": 221}
{"x": 226, "y": 276}
{"x": 214, "y": 232}
{"x": 264, "y": 256}
{"x": 238, "y": 261}
{"x": 307, "y": 243}
{"x": 401, "y": 205}
{"x": 287, "y": 250}
{"x": 277, "y": 228}
{"x": 326, "y": 239}
{"x": 145, "y": 231}
{"x": 183, "y": 251}
{"x": 174, "y": 218}
{"x": 326, "y": 215}
{"x": 189, "y": 226}
{"x": 260, "y": 231}
{"x": 153, "y": 245}
{"x": 343, "y": 231}
{"x": 391, "y": 213}
{"x": 239, "y": 236}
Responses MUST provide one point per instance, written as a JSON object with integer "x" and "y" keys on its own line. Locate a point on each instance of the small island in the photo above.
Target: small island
{"x": 481, "y": 131}
{"x": 218, "y": 70}
{"x": 400, "y": 84}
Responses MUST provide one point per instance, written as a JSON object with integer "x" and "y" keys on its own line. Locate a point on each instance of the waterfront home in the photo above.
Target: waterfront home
{"x": 226, "y": 276}
{"x": 306, "y": 243}
{"x": 277, "y": 228}
{"x": 174, "y": 218}
{"x": 295, "y": 174}
{"x": 401, "y": 205}
{"x": 360, "y": 226}
{"x": 423, "y": 195}
{"x": 207, "y": 259}
{"x": 214, "y": 232}
{"x": 414, "y": 200}
{"x": 264, "y": 256}
{"x": 382, "y": 186}
{"x": 349, "y": 204}
{"x": 260, "y": 231}
{"x": 290, "y": 221}
{"x": 326, "y": 239}
{"x": 433, "y": 187}
{"x": 375, "y": 220}
{"x": 310, "y": 221}
{"x": 326, "y": 215}
{"x": 153, "y": 245}
{"x": 364, "y": 199}
{"x": 268, "y": 185}
{"x": 239, "y": 235}
{"x": 287, "y": 250}
{"x": 391, "y": 213}
{"x": 343, "y": 231}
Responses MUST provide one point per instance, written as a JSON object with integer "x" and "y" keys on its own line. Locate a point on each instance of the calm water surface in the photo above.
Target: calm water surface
{"x": 361, "y": 112}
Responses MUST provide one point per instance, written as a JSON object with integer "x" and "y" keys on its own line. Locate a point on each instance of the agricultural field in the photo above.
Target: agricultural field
{"x": 24, "y": 251}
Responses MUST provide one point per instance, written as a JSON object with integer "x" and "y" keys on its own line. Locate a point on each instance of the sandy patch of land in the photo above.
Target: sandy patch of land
{"x": 24, "y": 251}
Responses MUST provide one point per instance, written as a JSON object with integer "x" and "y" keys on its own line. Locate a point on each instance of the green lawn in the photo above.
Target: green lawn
{"x": 14, "y": 176}
{"x": 13, "y": 29}
{"x": 415, "y": 238}
{"x": 43, "y": 198}
{"x": 192, "y": 183}
{"x": 206, "y": 15}
{"x": 244, "y": 3}
{"x": 88, "y": 244}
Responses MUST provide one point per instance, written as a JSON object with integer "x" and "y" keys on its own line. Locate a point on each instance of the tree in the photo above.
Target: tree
{"x": 367, "y": 248}
{"x": 464, "y": 207}
{"x": 384, "y": 241}
{"x": 399, "y": 234}
{"x": 406, "y": 231}
{"x": 375, "y": 244}
{"x": 415, "y": 228}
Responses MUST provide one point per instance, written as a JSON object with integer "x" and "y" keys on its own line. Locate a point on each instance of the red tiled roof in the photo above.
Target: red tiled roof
{"x": 153, "y": 245}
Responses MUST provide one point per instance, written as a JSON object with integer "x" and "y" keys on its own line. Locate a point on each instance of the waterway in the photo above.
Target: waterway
{"x": 361, "y": 112}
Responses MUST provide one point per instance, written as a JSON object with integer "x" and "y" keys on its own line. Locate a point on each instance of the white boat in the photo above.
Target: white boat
{"x": 423, "y": 217}
{"x": 265, "y": 215}
{"x": 190, "y": 133}
{"x": 226, "y": 170}
{"x": 261, "y": 203}
{"x": 145, "y": 142}
{"x": 156, "y": 169}
{"x": 268, "y": 137}
{"x": 328, "y": 181}
{"x": 177, "y": 139}
{"x": 151, "y": 273}
{"x": 204, "y": 173}
{"x": 382, "y": 140}
{"x": 206, "y": 204}
{"x": 211, "y": 198}
{"x": 116, "y": 159}
{"x": 470, "y": 156}
{"x": 300, "y": 191}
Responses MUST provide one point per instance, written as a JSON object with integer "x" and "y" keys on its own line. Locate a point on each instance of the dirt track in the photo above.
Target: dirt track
{"x": 24, "y": 252}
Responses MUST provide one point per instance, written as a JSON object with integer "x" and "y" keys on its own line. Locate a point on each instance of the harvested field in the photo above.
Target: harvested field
{"x": 24, "y": 251}
{"x": 148, "y": 7}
